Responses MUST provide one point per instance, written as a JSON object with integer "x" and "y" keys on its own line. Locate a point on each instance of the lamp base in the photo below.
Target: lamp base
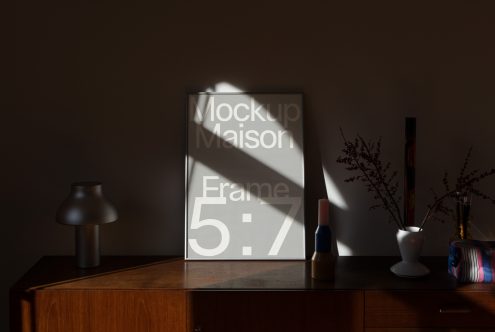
{"x": 88, "y": 246}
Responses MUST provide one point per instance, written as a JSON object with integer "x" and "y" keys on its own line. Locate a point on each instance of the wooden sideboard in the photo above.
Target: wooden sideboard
{"x": 170, "y": 294}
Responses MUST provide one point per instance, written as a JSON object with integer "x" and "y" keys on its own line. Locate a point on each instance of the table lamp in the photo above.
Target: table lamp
{"x": 87, "y": 209}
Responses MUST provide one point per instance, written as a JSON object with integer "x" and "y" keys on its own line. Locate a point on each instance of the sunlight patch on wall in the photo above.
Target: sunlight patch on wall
{"x": 226, "y": 87}
{"x": 343, "y": 249}
{"x": 333, "y": 193}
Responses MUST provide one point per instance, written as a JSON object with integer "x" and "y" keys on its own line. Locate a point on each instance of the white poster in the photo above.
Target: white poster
{"x": 245, "y": 177}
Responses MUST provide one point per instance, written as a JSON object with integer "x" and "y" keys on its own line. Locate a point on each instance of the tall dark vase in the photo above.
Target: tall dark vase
{"x": 86, "y": 208}
{"x": 463, "y": 216}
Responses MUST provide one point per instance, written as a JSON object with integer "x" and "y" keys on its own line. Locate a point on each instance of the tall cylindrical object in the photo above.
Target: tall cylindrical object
{"x": 410, "y": 172}
{"x": 323, "y": 261}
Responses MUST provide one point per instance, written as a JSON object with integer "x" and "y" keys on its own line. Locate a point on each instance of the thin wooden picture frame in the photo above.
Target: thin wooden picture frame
{"x": 244, "y": 176}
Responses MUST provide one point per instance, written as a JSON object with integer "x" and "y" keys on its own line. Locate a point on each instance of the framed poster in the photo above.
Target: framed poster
{"x": 245, "y": 176}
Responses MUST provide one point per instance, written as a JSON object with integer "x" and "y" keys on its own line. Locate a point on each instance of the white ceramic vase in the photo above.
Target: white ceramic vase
{"x": 410, "y": 243}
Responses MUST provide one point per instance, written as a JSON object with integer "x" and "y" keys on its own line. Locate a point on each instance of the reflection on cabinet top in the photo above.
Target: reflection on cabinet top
{"x": 140, "y": 272}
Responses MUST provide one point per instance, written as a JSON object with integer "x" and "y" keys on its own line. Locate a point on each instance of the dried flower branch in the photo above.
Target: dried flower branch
{"x": 364, "y": 158}
{"x": 465, "y": 185}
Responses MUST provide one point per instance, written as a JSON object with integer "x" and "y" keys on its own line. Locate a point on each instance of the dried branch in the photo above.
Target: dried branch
{"x": 364, "y": 157}
{"x": 380, "y": 173}
{"x": 464, "y": 185}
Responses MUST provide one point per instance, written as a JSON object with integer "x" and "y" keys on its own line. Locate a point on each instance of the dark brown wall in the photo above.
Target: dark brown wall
{"x": 99, "y": 91}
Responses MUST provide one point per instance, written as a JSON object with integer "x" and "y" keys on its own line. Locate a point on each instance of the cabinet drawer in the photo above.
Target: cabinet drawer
{"x": 110, "y": 311}
{"x": 268, "y": 311}
{"x": 447, "y": 309}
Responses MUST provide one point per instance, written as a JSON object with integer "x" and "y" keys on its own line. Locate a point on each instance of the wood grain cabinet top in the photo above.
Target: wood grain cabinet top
{"x": 170, "y": 294}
